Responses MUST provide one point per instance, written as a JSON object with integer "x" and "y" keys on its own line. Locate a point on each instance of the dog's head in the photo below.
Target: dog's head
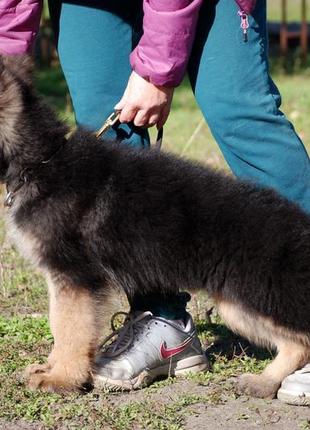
{"x": 15, "y": 92}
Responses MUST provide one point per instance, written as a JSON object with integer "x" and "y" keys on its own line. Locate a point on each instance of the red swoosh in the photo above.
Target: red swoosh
{"x": 170, "y": 352}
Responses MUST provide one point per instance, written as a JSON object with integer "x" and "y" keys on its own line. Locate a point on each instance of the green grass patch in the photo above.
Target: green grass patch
{"x": 293, "y": 10}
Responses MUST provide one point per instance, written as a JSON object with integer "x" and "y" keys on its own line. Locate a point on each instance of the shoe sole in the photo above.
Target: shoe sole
{"x": 197, "y": 363}
{"x": 292, "y": 398}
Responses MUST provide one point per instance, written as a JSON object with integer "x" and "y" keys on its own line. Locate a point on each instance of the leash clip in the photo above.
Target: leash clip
{"x": 8, "y": 201}
{"x": 109, "y": 122}
{"x": 112, "y": 120}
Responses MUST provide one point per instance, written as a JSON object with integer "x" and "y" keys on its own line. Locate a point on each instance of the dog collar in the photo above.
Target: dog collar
{"x": 9, "y": 199}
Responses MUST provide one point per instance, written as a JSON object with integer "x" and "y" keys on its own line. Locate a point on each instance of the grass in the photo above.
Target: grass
{"x": 24, "y": 332}
{"x": 27, "y": 339}
{"x": 293, "y": 10}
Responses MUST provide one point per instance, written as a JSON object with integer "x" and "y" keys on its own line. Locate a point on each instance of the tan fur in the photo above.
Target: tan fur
{"x": 258, "y": 329}
{"x": 10, "y": 110}
{"x": 27, "y": 245}
{"x": 293, "y": 348}
{"x": 75, "y": 320}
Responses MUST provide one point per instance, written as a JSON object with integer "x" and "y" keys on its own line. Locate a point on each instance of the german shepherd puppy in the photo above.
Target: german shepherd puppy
{"x": 92, "y": 215}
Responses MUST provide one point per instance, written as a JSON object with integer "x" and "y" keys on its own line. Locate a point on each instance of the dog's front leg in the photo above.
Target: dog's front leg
{"x": 75, "y": 324}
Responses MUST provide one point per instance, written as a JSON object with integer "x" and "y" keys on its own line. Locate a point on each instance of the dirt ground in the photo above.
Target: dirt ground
{"x": 221, "y": 411}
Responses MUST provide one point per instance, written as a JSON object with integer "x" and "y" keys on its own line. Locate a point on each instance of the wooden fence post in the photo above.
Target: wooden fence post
{"x": 302, "y": 34}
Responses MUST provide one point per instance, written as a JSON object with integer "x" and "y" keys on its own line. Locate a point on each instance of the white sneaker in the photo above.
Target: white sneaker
{"x": 147, "y": 347}
{"x": 295, "y": 388}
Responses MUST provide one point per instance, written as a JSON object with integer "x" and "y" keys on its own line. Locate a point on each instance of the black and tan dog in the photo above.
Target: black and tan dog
{"x": 93, "y": 215}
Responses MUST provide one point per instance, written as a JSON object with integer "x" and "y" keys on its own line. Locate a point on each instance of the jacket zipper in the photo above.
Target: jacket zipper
{"x": 244, "y": 24}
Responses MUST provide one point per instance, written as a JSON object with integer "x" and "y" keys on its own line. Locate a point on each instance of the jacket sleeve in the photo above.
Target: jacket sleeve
{"x": 168, "y": 33}
{"x": 19, "y": 25}
{"x": 246, "y": 5}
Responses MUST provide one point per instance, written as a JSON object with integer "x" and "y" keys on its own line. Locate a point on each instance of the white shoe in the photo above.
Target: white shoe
{"x": 295, "y": 388}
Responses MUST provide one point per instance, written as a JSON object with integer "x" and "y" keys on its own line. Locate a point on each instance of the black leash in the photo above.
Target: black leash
{"x": 113, "y": 119}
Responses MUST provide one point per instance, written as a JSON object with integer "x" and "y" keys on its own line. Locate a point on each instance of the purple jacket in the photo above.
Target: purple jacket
{"x": 162, "y": 53}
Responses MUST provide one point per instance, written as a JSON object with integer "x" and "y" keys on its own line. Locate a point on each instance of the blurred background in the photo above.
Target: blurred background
{"x": 186, "y": 132}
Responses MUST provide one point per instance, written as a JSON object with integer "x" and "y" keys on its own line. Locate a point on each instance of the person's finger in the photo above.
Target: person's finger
{"x": 141, "y": 119}
{"x": 128, "y": 113}
{"x": 121, "y": 104}
{"x": 153, "y": 119}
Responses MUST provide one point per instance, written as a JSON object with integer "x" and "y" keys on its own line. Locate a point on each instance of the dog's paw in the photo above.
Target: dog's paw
{"x": 36, "y": 368}
{"x": 257, "y": 386}
{"x": 58, "y": 379}
{"x": 47, "y": 381}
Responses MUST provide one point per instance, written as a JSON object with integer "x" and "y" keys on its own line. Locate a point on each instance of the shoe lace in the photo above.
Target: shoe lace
{"x": 125, "y": 335}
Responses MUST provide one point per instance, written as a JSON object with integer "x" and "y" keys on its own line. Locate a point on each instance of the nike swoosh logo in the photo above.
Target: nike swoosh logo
{"x": 170, "y": 352}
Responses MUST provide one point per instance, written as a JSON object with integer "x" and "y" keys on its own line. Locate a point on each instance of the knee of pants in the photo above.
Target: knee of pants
{"x": 219, "y": 115}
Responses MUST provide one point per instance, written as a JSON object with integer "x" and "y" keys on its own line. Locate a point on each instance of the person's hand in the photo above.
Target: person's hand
{"x": 144, "y": 103}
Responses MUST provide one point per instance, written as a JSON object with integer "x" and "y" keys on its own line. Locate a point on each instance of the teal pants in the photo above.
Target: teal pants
{"x": 230, "y": 80}
{"x": 241, "y": 103}
{"x": 94, "y": 41}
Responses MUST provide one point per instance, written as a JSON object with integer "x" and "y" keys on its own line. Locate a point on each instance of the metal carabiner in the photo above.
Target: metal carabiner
{"x": 109, "y": 122}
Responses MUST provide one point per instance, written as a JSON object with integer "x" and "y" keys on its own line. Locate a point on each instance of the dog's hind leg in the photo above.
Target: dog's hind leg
{"x": 293, "y": 349}
{"x": 75, "y": 320}
{"x": 290, "y": 357}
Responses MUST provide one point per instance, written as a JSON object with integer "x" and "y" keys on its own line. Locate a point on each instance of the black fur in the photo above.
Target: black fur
{"x": 151, "y": 222}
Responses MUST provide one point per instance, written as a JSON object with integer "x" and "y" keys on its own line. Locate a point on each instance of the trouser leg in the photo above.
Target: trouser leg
{"x": 94, "y": 40}
{"x": 241, "y": 103}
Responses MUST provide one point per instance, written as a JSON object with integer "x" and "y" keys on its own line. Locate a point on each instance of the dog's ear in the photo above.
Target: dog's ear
{"x": 21, "y": 65}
